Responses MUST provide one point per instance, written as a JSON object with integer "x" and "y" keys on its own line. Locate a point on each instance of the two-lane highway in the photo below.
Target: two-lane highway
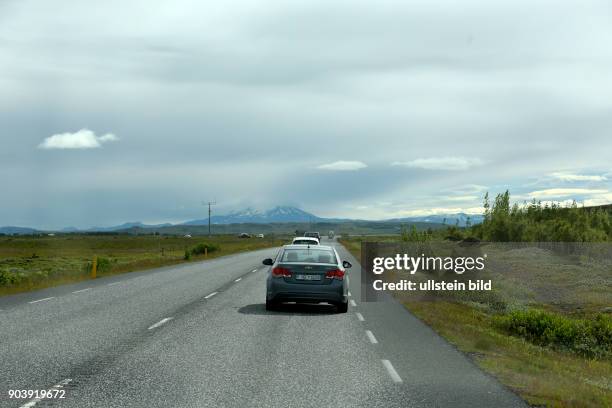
{"x": 198, "y": 335}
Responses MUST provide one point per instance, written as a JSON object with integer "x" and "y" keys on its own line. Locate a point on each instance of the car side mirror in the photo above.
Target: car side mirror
{"x": 346, "y": 264}
{"x": 268, "y": 261}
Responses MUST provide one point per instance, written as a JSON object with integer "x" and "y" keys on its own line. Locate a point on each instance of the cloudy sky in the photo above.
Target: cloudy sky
{"x": 118, "y": 111}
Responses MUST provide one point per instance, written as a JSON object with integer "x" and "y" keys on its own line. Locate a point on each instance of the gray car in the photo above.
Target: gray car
{"x": 307, "y": 274}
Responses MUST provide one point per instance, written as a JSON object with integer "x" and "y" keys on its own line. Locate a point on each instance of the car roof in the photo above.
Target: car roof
{"x": 307, "y": 238}
{"x": 302, "y": 246}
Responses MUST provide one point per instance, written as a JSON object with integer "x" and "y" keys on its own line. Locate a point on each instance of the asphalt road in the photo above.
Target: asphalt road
{"x": 198, "y": 335}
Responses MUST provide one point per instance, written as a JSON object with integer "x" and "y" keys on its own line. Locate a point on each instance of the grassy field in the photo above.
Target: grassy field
{"x": 572, "y": 292}
{"x": 28, "y": 263}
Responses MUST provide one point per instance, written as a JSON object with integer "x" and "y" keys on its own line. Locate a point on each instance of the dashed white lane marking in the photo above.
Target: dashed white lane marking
{"x": 162, "y": 321}
{"x": 211, "y": 295}
{"x": 35, "y": 401}
{"x": 360, "y": 317}
{"x": 392, "y": 373}
{"x": 371, "y": 337}
{"x": 238, "y": 280}
{"x": 114, "y": 283}
{"x": 42, "y": 300}
{"x": 82, "y": 290}
{"x": 350, "y": 294}
{"x": 352, "y": 303}
{"x": 254, "y": 270}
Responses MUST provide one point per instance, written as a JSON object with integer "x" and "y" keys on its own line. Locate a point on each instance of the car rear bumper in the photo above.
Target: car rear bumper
{"x": 280, "y": 291}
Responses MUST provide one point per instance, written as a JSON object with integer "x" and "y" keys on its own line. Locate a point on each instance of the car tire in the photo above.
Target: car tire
{"x": 342, "y": 307}
{"x": 270, "y": 305}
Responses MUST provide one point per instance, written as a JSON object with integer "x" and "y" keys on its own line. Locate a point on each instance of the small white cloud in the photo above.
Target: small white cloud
{"x": 577, "y": 177}
{"x": 441, "y": 163}
{"x": 343, "y": 166}
{"x": 565, "y": 192}
{"x": 83, "y": 139}
{"x": 109, "y": 137}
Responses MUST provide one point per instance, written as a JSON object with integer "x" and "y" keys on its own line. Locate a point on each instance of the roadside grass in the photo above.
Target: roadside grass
{"x": 544, "y": 299}
{"x": 542, "y": 376}
{"x": 29, "y": 263}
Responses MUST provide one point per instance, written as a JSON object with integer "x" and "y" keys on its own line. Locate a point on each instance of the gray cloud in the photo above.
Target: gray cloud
{"x": 242, "y": 101}
{"x": 343, "y": 165}
{"x": 441, "y": 163}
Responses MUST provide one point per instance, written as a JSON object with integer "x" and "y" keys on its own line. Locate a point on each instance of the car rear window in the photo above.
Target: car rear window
{"x": 309, "y": 255}
{"x": 305, "y": 242}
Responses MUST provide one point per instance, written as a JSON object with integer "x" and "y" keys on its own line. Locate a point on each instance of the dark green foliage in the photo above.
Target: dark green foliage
{"x": 454, "y": 233}
{"x": 414, "y": 235}
{"x": 534, "y": 222}
{"x": 587, "y": 337}
{"x": 187, "y": 255}
{"x": 202, "y": 248}
{"x": 10, "y": 278}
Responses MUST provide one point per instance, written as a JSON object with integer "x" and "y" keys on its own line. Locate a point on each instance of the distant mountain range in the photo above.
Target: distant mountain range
{"x": 124, "y": 226}
{"x": 461, "y": 219}
{"x": 17, "y": 230}
{"x": 279, "y": 214}
{"x": 276, "y": 214}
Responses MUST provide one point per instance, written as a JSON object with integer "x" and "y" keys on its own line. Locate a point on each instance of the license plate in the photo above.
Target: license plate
{"x": 308, "y": 277}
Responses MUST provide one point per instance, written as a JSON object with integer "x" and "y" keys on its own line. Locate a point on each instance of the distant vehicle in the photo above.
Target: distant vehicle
{"x": 307, "y": 275}
{"x": 187, "y": 236}
{"x": 244, "y": 235}
{"x": 305, "y": 241}
{"x": 313, "y": 235}
{"x": 260, "y": 235}
{"x": 331, "y": 234}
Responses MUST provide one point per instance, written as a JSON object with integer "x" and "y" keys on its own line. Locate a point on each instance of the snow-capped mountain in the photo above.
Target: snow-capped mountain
{"x": 250, "y": 215}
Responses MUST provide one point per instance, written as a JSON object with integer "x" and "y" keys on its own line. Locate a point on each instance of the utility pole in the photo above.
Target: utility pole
{"x": 210, "y": 203}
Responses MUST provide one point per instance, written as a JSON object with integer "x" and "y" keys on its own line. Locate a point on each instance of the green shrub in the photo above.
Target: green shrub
{"x": 8, "y": 278}
{"x": 202, "y": 247}
{"x": 588, "y": 337}
{"x": 102, "y": 265}
{"x": 105, "y": 264}
{"x": 187, "y": 255}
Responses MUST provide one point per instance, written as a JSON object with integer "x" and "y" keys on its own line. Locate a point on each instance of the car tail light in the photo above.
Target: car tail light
{"x": 280, "y": 272}
{"x": 335, "y": 274}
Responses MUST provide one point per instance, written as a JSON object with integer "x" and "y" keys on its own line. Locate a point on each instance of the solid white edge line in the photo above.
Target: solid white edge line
{"x": 37, "y": 400}
{"x": 42, "y": 300}
{"x": 392, "y": 373}
{"x": 162, "y": 321}
{"x": 210, "y": 295}
{"x": 359, "y": 317}
{"x": 371, "y": 337}
{"x": 352, "y": 303}
{"x": 237, "y": 280}
{"x": 82, "y": 290}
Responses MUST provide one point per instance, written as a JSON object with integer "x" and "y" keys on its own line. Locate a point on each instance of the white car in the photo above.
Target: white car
{"x": 260, "y": 235}
{"x": 305, "y": 241}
